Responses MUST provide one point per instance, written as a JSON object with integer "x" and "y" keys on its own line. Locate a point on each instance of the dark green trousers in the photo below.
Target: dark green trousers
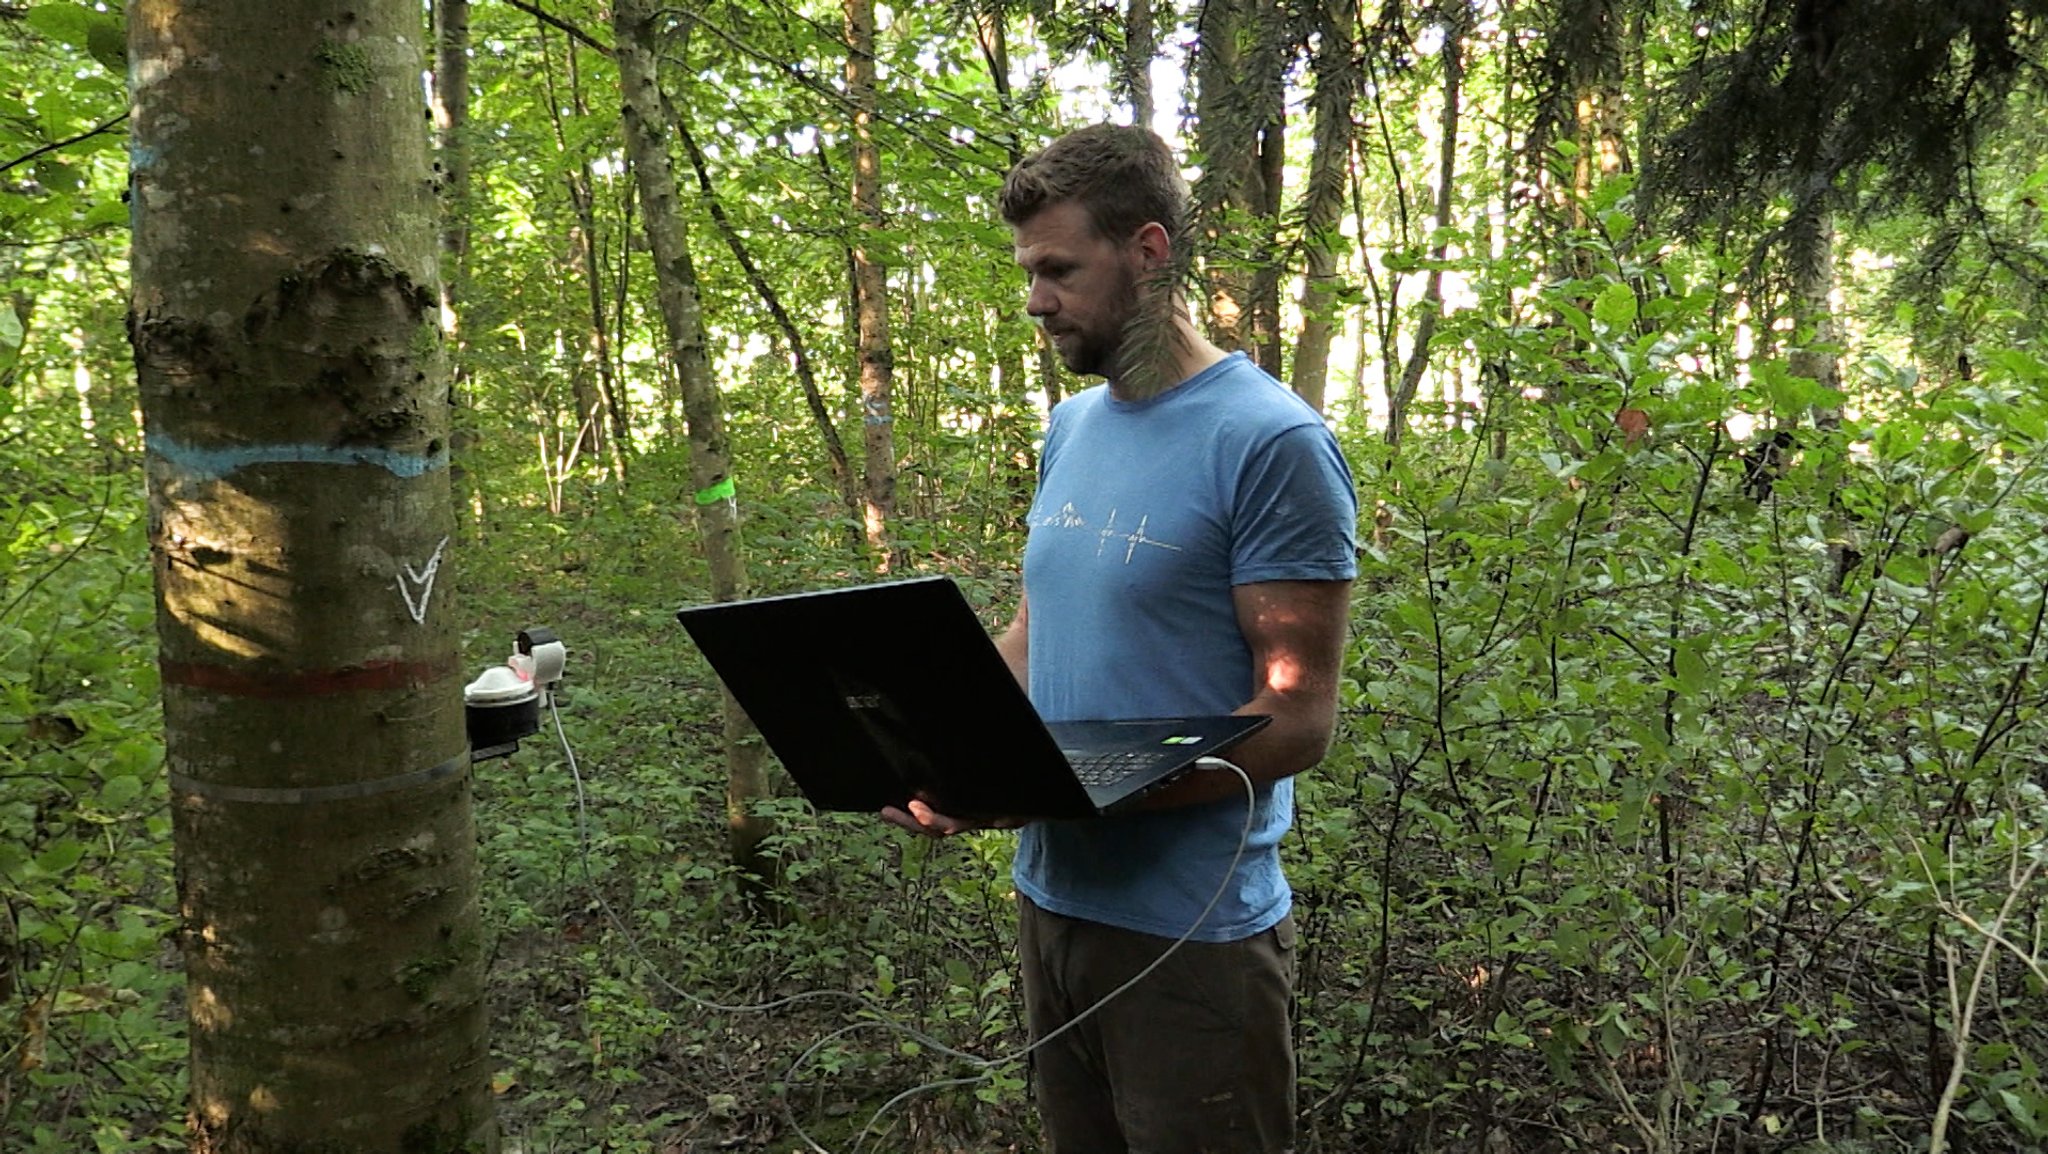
{"x": 1196, "y": 1059}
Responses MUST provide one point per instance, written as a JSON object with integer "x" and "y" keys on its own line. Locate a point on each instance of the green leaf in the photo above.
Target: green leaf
{"x": 59, "y": 175}
{"x": 1907, "y": 569}
{"x": 59, "y": 858}
{"x": 106, "y": 214}
{"x": 1691, "y": 669}
{"x": 65, "y": 23}
{"x": 103, "y": 35}
{"x": 2022, "y": 1110}
{"x": 119, "y": 791}
{"x": 1616, "y": 307}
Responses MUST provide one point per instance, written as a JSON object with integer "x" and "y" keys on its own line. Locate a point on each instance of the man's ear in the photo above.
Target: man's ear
{"x": 1155, "y": 248}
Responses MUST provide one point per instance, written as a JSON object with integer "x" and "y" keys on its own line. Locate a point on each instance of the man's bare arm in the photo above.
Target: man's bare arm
{"x": 1014, "y": 644}
{"x": 1297, "y": 632}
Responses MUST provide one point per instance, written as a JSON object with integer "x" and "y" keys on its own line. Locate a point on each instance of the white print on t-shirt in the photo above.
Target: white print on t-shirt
{"x": 1070, "y": 518}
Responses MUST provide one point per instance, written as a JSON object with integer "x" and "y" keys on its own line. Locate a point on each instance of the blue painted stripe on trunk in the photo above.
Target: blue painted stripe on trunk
{"x": 217, "y": 462}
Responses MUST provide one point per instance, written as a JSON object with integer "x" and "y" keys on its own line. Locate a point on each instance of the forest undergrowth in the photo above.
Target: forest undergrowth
{"x": 1665, "y": 815}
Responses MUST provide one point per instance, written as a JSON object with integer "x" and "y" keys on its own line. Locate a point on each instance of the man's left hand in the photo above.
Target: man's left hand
{"x": 920, "y": 818}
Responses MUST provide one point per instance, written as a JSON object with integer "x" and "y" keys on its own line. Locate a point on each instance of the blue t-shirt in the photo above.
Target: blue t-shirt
{"x": 1147, "y": 514}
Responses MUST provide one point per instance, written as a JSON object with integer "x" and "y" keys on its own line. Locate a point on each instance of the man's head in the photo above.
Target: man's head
{"x": 1124, "y": 177}
{"x": 1095, "y": 216}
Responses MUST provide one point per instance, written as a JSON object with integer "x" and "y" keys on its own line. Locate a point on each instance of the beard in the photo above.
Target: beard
{"x": 1089, "y": 353}
{"x": 1097, "y": 348}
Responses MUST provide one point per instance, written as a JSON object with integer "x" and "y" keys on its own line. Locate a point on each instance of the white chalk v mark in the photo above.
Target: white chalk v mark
{"x": 424, "y": 578}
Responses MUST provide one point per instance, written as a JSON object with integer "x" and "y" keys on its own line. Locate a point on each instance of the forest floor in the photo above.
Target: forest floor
{"x": 623, "y": 940}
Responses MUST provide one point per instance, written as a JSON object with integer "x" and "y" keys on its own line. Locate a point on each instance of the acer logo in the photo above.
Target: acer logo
{"x": 863, "y": 701}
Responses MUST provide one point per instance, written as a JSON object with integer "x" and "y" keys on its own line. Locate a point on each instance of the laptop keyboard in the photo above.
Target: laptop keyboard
{"x": 1101, "y": 769}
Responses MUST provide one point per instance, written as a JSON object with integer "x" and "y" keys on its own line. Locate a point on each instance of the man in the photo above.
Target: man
{"x": 1191, "y": 551}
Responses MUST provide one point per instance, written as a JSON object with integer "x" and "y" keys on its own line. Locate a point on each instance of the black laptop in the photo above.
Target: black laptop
{"x": 875, "y": 693}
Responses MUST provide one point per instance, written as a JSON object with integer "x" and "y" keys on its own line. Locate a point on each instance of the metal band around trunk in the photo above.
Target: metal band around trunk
{"x": 316, "y": 795}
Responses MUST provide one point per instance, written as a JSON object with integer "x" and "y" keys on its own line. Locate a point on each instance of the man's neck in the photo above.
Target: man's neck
{"x": 1184, "y": 356}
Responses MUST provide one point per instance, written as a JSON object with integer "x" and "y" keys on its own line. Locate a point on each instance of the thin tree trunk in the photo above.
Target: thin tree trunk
{"x": 451, "y": 118}
{"x": 1141, "y": 47}
{"x": 1240, "y": 67}
{"x": 1402, "y": 396}
{"x": 1810, "y": 254}
{"x": 589, "y": 433}
{"x": 1385, "y": 311}
{"x": 871, "y": 291}
{"x": 799, "y": 351}
{"x": 1267, "y": 342}
{"x": 583, "y": 190}
{"x": 716, "y": 499}
{"x": 1227, "y": 137}
{"x": 450, "y": 110}
{"x": 1018, "y": 457}
{"x": 1048, "y": 370}
{"x": 1336, "y": 90}
{"x": 292, "y": 379}
{"x": 597, "y": 343}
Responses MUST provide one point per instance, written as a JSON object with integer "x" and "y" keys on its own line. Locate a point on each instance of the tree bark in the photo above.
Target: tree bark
{"x": 284, "y": 318}
{"x": 1226, "y": 135}
{"x": 1239, "y": 68}
{"x": 1141, "y": 47}
{"x": 1402, "y": 396}
{"x": 710, "y": 457}
{"x": 1329, "y": 165}
{"x": 871, "y": 290}
{"x": 451, "y": 119}
{"x": 1810, "y": 255}
{"x": 450, "y": 110}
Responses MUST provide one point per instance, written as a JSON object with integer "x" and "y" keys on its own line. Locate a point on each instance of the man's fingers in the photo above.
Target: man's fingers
{"x": 920, "y": 819}
{"x": 900, "y": 819}
{"x": 918, "y": 816}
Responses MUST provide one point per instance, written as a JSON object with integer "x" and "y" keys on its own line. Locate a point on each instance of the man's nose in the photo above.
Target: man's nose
{"x": 1040, "y": 302}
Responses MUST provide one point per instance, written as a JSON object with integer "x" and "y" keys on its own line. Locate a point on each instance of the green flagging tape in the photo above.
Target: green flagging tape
{"x": 723, "y": 491}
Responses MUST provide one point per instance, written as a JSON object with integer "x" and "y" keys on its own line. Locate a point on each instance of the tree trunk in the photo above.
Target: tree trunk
{"x": 799, "y": 349}
{"x": 1227, "y": 138}
{"x": 1141, "y": 46}
{"x": 587, "y": 241}
{"x": 1015, "y": 424}
{"x": 1048, "y": 370}
{"x": 290, "y": 361}
{"x": 1581, "y": 99}
{"x": 1810, "y": 254}
{"x": 1240, "y": 66}
{"x": 1402, "y": 396}
{"x": 1600, "y": 116}
{"x": 450, "y": 111}
{"x": 1267, "y": 342}
{"x": 583, "y": 192}
{"x": 1329, "y": 165}
{"x": 451, "y": 119}
{"x": 710, "y": 461}
{"x": 871, "y": 290}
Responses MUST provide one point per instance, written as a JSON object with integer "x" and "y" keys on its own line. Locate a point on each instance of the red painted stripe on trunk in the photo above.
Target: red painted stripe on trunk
{"x": 368, "y": 677}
